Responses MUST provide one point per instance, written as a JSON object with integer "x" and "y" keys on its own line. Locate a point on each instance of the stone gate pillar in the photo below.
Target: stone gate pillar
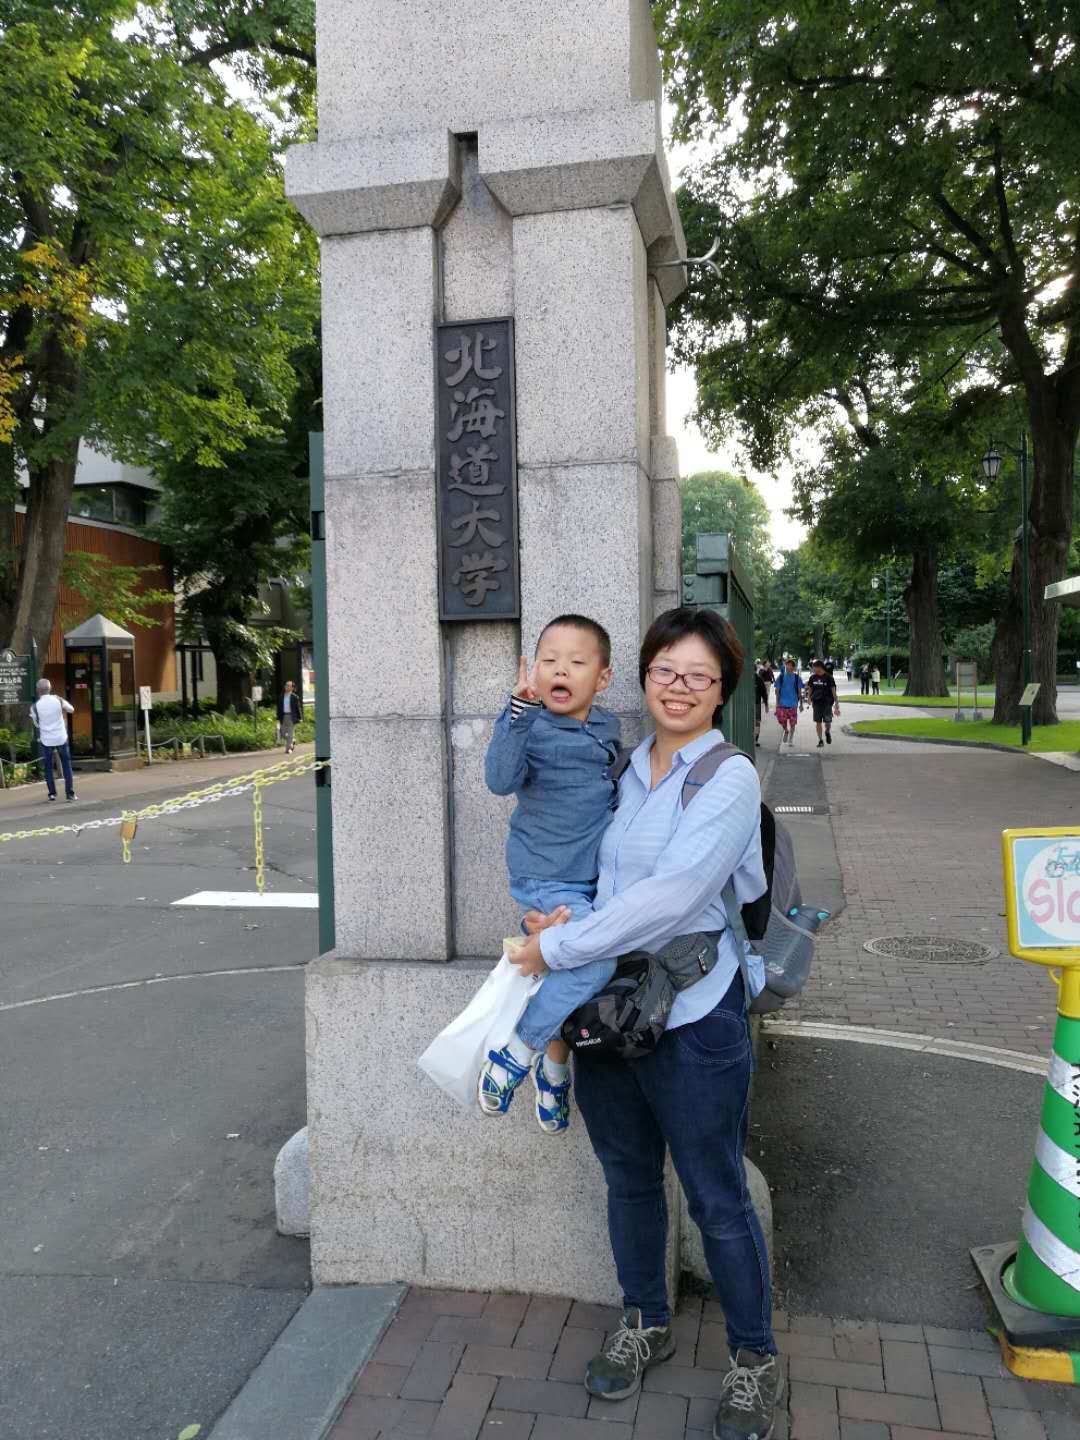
{"x": 474, "y": 161}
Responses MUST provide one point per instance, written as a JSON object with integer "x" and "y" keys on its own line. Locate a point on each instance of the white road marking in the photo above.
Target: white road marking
{"x": 250, "y": 900}
{"x": 151, "y": 980}
{"x": 901, "y": 1040}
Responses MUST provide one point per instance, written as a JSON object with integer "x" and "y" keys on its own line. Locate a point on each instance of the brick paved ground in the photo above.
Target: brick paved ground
{"x": 917, "y": 837}
{"x": 457, "y": 1366}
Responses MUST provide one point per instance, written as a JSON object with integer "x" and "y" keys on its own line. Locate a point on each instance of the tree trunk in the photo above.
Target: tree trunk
{"x": 926, "y": 667}
{"x": 819, "y": 640}
{"x": 232, "y": 686}
{"x": 42, "y": 553}
{"x": 1049, "y": 534}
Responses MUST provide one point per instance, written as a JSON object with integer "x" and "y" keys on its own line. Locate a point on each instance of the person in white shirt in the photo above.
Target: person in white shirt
{"x": 48, "y": 714}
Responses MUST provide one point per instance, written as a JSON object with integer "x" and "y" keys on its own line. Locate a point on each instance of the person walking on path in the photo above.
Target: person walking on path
{"x": 289, "y": 713}
{"x": 789, "y": 700}
{"x": 662, "y": 872}
{"x": 761, "y": 699}
{"x": 47, "y": 714}
{"x": 864, "y": 679}
{"x": 821, "y": 688}
{"x": 875, "y": 680}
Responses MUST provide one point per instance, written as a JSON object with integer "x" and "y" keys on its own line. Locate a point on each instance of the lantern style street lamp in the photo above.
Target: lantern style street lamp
{"x": 991, "y": 465}
{"x": 875, "y": 581}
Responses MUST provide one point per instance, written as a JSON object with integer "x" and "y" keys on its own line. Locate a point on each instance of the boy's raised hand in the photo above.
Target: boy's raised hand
{"x": 525, "y": 689}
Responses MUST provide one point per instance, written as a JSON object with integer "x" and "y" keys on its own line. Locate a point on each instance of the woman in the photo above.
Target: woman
{"x": 661, "y": 874}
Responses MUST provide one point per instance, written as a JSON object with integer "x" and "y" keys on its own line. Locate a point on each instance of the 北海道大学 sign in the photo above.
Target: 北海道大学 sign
{"x": 1042, "y": 892}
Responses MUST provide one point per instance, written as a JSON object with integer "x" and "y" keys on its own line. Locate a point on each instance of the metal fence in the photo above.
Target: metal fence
{"x": 721, "y": 583}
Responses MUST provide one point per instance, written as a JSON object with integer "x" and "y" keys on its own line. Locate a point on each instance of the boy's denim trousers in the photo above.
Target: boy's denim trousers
{"x": 690, "y": 1096}
{"x": 563, "y": 990}
{"x": 560, "y": 995}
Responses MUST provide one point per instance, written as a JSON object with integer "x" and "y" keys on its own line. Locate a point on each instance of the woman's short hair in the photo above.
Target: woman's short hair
{"x": 675, "y": 625}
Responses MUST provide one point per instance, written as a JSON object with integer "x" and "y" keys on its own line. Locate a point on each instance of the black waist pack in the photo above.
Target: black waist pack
{"x": 627, "y": 1017}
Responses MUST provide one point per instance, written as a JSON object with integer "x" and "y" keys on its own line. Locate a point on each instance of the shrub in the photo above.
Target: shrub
{"x": 238, "y": 731}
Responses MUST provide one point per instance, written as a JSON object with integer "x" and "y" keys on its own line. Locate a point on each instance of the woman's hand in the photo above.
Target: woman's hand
{"x": 535, "y": 920}
{"x": 528, "y": 958}
{"x": 525, "y": 689}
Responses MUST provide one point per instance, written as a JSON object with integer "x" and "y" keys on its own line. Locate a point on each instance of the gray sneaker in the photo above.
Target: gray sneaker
{"x": 616, "y": 1372}
{"x": 748, "y": 1398}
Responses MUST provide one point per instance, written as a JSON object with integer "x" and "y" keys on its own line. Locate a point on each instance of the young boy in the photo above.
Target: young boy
{"x": 789, "y": 700}
{"x": 821, "y": 688}
{"x": 553, "y": 749}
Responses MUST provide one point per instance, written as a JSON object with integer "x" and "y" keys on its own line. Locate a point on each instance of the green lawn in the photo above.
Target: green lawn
{"x": 1064, "y": 736}
{"x": 927, "y": 702}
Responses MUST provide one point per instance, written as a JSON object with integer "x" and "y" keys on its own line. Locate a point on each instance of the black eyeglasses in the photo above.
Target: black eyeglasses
{"x": 665, "y": 675}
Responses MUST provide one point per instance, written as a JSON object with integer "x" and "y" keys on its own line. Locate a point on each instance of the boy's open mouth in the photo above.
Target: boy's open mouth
{"x": 561, "y": 694}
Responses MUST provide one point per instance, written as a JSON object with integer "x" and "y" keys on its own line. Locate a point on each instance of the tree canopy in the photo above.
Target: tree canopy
{"x": 874, "y": 179}
{"x": 715, "y": 500}
{"x": 153, "y": 279}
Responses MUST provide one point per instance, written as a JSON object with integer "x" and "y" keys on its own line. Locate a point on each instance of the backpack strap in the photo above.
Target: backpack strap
{"x": 705, "y": 767}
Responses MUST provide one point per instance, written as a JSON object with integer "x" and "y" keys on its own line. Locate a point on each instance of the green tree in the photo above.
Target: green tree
{"x": 913, "y": 170}
{"x": 125, "y": 593}
{"x": 229, "y": 530}
{"x": 153, "y": 279}
{"x": 715, "y": 500}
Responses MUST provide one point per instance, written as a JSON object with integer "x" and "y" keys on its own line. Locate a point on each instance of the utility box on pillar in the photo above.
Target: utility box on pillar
{"x": 720, "y": 583}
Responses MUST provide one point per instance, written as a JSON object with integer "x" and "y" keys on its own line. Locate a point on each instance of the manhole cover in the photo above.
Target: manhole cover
{"x": 800, "y": 809}
{"x": 938, "y": 949}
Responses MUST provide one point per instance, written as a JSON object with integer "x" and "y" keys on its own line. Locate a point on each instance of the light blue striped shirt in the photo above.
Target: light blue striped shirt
{"x": 662, "y": 870}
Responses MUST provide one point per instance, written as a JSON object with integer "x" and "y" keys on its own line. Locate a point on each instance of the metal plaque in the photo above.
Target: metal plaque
{"x": 476, "y": 441}
{"x": 14, "y": 678}
{"x": 1031, "y": 694}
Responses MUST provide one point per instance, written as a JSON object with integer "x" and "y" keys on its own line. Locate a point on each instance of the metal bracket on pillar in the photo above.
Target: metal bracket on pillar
{"x": 706, "y": 259}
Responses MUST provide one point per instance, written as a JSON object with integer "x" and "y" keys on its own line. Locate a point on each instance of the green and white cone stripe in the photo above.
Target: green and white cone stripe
{"x": 1046, "y": 1274}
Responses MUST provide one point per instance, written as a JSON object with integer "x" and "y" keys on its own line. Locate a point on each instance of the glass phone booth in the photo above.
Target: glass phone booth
{"x": 99, "y": 670}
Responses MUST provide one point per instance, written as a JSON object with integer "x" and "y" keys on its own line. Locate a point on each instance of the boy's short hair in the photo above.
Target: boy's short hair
{"x": 581, "y": 622}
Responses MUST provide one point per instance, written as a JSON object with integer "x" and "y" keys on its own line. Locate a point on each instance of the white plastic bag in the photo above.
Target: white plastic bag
{"x": 454, "y": 1057}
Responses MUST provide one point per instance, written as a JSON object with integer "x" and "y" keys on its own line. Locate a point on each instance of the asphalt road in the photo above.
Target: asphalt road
{"x": 887, "y": 1167}
{"x": 141, "y": 1277}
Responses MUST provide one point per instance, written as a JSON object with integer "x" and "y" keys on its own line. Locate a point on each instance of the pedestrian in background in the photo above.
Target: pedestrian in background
{"x": 761, "y": 698}
{"x": 48, "y": 714}
{"x": 864, "y": 679}
{"x": 875, "y": 680}
{"x": 789, "y": 701}
{"x": 289, "y": 713}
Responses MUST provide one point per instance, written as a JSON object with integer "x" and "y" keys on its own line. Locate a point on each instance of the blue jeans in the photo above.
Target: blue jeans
{"x": 690, "y": 1096}
{"x": 563, "y": 990}
{"x": 47, "y": 752}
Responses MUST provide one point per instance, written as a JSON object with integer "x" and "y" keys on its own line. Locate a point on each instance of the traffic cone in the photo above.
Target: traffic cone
{"x": 1035, "y": 1286}
{"x": 1046, "y": 1275}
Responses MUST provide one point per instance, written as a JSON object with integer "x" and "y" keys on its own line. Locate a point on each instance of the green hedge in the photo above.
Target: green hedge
{"x": 238, "y": 731}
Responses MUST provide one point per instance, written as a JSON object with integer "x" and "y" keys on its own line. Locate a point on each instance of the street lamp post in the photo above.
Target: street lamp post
{"x": 991, "y": 464}
{"x": 875, "y": 582}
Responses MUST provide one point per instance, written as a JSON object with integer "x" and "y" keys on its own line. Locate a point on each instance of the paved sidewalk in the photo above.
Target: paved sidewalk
{"x": 464, "y": 1366}
{"x": 917, "y": 831}
{"x": 110, "y": 790}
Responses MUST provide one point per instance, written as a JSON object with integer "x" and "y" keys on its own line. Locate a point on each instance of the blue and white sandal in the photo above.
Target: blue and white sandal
{"x": 552, "y": 1101}
{"x": 493, "y": 1094}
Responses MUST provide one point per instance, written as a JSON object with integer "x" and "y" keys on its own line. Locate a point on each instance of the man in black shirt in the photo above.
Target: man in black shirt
{"x": 761, "y": 698}
{"x": 821, "y": 688}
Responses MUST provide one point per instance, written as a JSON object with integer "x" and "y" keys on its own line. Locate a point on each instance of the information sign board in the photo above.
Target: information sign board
{"x": 14, "y": 678}
{"x": 145, "y": 698}
{"x": 1042, "y": 892}
{"x": 1030, "y": 692}
{"x": 256, "y": 694}
{"x": 967, "y": 674}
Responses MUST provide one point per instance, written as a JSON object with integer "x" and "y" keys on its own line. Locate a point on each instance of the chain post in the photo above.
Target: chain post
{"x": 260, "y": 857}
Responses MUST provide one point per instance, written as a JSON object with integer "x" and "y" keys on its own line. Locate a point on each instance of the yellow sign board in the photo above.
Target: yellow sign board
{"x": 1042, "y": 893}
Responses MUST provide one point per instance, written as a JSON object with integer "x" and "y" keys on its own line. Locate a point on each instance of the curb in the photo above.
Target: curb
{"x": 928, "y": 740}
{"x": 301, "y": 1384}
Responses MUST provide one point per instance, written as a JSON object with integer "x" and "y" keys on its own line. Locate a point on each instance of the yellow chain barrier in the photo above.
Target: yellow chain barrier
{"x": 255, "y": 781}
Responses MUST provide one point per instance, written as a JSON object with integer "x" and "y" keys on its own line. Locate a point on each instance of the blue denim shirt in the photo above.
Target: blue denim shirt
{"x": 663, "y": 867}
{"x": 558, "y": 769}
